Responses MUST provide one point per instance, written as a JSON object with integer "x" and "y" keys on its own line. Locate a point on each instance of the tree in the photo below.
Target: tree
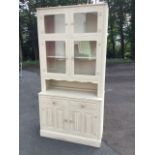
{"x": 133, "y": 29}
{"x": 121, "y": 27}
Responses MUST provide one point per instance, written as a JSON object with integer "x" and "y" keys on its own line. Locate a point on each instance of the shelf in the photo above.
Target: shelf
{"x": 62, "y": 57}
{"x": 86, "y": 58}
{"x": 71, "y": 93}
{"x": 57, "y": 57}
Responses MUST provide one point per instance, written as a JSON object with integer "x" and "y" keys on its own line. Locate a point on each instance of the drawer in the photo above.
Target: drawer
{"x": 52, "y": 101}
{"x": 84, "y": 105}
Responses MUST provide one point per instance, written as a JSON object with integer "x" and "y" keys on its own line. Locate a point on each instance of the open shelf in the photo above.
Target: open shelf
{"x": 71, "y": 89}
{"x": 72, "y": 93}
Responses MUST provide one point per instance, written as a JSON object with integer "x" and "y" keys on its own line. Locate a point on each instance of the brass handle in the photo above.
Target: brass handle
{"x": 82, "y": 106}
{"x": 65, "y": 120}
{"x": 95, "y": 117}
{"x": 54, "y": 103}
{"x": 71, "y": 121}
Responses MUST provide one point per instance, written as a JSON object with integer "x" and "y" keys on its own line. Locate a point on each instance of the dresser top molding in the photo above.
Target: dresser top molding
{"x": 72, "y": 6}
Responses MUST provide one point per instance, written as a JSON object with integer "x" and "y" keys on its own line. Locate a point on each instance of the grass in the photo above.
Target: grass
{"x": 31, "y": 63}
{"x": 118, "y": 61}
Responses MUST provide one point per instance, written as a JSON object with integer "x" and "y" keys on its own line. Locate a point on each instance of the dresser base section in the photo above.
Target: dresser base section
{"x": 70, "y": 138}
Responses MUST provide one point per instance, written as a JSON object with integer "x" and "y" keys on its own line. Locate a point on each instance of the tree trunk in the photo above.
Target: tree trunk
{"x": 21, "y": 52}
{"x": 133, "y": 30}
{"x": 111, "y": 23}
{"x": 112, "y": 39}
{"x": 122, "y": 41}
{"x": 35, "y": 51}
{"x": 121, "y": 15}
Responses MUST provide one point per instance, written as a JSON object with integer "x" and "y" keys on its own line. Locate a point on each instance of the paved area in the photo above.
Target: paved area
{"x": 119, "y": 121}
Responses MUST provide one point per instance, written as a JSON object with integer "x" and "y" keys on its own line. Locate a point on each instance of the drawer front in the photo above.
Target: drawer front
{"x": 84, "y": 105}
{"x": 52, "y": 101}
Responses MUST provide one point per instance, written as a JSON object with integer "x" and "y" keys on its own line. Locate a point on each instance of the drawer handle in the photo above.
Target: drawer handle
{"x": 65, "y": 120}
{"x": 71, "y": 121}
{"x": 95, "y": 117}
{"x": 82, "y": 106}
{"x": 54, "y": 103}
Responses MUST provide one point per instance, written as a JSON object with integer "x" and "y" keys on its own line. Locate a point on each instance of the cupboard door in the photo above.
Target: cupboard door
{"x": 54, "y": 38}
{"x": 53, "y": 114}
{"x": 91, "y": 124}
{"x": 76, "y": 121}
{"x": 82, "y": 120}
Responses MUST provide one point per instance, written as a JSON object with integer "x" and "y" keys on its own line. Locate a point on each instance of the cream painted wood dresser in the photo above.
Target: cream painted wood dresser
{"x": 72, "y": 45}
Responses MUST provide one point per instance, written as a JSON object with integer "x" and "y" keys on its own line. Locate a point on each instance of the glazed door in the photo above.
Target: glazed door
{"x": 53, "y": 114}
{"x": 53, "y": 38}
{"x": 86, "y": 44}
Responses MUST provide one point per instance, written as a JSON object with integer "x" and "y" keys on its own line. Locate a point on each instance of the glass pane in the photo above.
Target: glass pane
{"x": 85, "y": 57}
{"x": 85, "y": 49}
{"x": 86, "y": 67}
{"x": 85, "y": 22}
{"x": 56, "y": 65}
{"x": 55, "y": 48}
{"x": 55, "y": 53}
{"x": 54, "y": 23}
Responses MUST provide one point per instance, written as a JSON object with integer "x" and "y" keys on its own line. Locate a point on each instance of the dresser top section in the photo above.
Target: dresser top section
{"x": 72, "y": 6}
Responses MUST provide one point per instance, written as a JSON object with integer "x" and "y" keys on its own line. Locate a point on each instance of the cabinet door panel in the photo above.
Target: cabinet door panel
{"x": 76, "y": 121}
{"x": 53, "y": 114}
{"x": 91, "y": 124}
{"x": 83, "y": 121}
{"x": 60, "y": 115}
{"x": 47, "y": 117}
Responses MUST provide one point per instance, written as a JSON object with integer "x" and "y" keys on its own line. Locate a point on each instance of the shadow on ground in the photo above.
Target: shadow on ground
{"x": 119, "y": 123}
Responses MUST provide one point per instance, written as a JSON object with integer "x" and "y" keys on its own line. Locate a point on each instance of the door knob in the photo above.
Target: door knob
{"x": 82, "y": 106}
{"x": 65, "y": 120}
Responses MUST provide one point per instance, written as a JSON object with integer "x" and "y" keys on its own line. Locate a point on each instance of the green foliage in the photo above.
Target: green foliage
{"x": 118, "y": 61}
{"x": 121, "y": 38}
{"x": 121, "y": 29}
